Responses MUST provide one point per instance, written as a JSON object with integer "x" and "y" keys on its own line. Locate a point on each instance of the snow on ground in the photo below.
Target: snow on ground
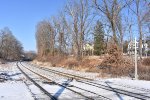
{"x": 95, "y": 76}
{"x": 14, "y": 91}
{"x": 125, "y": 83}
{"x": 83, "y": 74}
{"x": 14, "y": 86}
{"x": 62, "y": 93}
{"x": 128, "y": 82}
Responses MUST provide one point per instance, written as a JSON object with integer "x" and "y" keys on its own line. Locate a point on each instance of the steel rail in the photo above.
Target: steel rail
{"x": 89, "y": 82}
{"x": 35, "y": 83}
{"x": 89, "y": 98}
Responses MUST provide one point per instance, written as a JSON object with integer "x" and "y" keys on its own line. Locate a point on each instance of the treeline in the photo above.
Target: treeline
{"x": 98, "y": 22}
{"x": 10, "y": 47}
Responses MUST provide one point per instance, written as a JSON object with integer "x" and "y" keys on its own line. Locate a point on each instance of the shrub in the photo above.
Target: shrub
{"x": 144, "y": 69}
{"x": 115, "y": 64}
{"x": 146, "y": 61}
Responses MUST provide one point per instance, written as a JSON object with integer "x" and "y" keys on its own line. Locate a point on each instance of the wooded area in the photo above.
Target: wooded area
{"x": 10, "y": 47}
{"x": 99, "y": 23}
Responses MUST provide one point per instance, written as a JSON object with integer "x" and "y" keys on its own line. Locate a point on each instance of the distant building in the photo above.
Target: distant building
{"x": 131, "y": 47}
{"x": 88, "y": 49}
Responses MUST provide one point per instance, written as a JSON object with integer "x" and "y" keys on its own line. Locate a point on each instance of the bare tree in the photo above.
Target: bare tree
{"x": 79, "y": 12}
{"x": 121, "y": 30}
{"x": 30, "y": 55}
{"x": 11, "y": 48}
{"x": 111, "y": 9}
{"x": 61, "y": 30}
{"x": 142, "y": 11}
{"x": 45, "y": 38}
{"x": 139, "y": 25}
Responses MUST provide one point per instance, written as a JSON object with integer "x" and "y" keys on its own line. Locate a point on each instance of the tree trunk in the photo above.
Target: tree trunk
{"x": 140, "y": 28}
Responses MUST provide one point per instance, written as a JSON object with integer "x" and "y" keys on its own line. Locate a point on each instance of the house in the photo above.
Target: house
{"x": 88, "y": 49}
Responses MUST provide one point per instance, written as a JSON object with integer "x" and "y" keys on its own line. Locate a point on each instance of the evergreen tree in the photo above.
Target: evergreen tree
{"x": 99, "y": 45}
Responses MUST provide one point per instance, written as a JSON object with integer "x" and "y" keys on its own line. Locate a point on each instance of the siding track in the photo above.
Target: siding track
{"x": 99, "y": 85}
{"x": 99, "y": 97}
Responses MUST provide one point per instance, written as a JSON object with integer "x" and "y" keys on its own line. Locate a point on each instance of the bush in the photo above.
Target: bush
{"x": 2, "y": 61}
{"x": 115, "y": 64}
{"x": 148, "y": 53}
{"x": 72, "y": 64}
{"x": 146, "y": 61}
{"x": 143, "y": 70}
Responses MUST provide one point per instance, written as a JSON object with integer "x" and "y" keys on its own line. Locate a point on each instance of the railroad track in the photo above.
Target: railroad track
{"x": 132, "y": 87}
{"x": 98, "y": 85}
{"x": 49, "y": 80}
{"x": 36, "y": 84}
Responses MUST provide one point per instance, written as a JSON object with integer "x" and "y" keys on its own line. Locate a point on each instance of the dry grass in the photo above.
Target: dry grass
{"x": 113, "y": 64}
{"x": 144, "y": 69}
{"x": 144, "y": 72}
{"x": 88, "y": 64}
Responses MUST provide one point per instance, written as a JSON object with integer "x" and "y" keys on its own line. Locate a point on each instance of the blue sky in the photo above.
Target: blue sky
{"x": 22, "y": 16}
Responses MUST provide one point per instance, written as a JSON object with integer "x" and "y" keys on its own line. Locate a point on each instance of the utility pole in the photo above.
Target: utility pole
{"x": 136, "y": 75}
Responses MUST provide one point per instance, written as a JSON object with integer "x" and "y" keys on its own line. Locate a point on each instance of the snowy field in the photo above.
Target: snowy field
{"x": 12, "y": 86}
{"x": 15, "y": 86}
